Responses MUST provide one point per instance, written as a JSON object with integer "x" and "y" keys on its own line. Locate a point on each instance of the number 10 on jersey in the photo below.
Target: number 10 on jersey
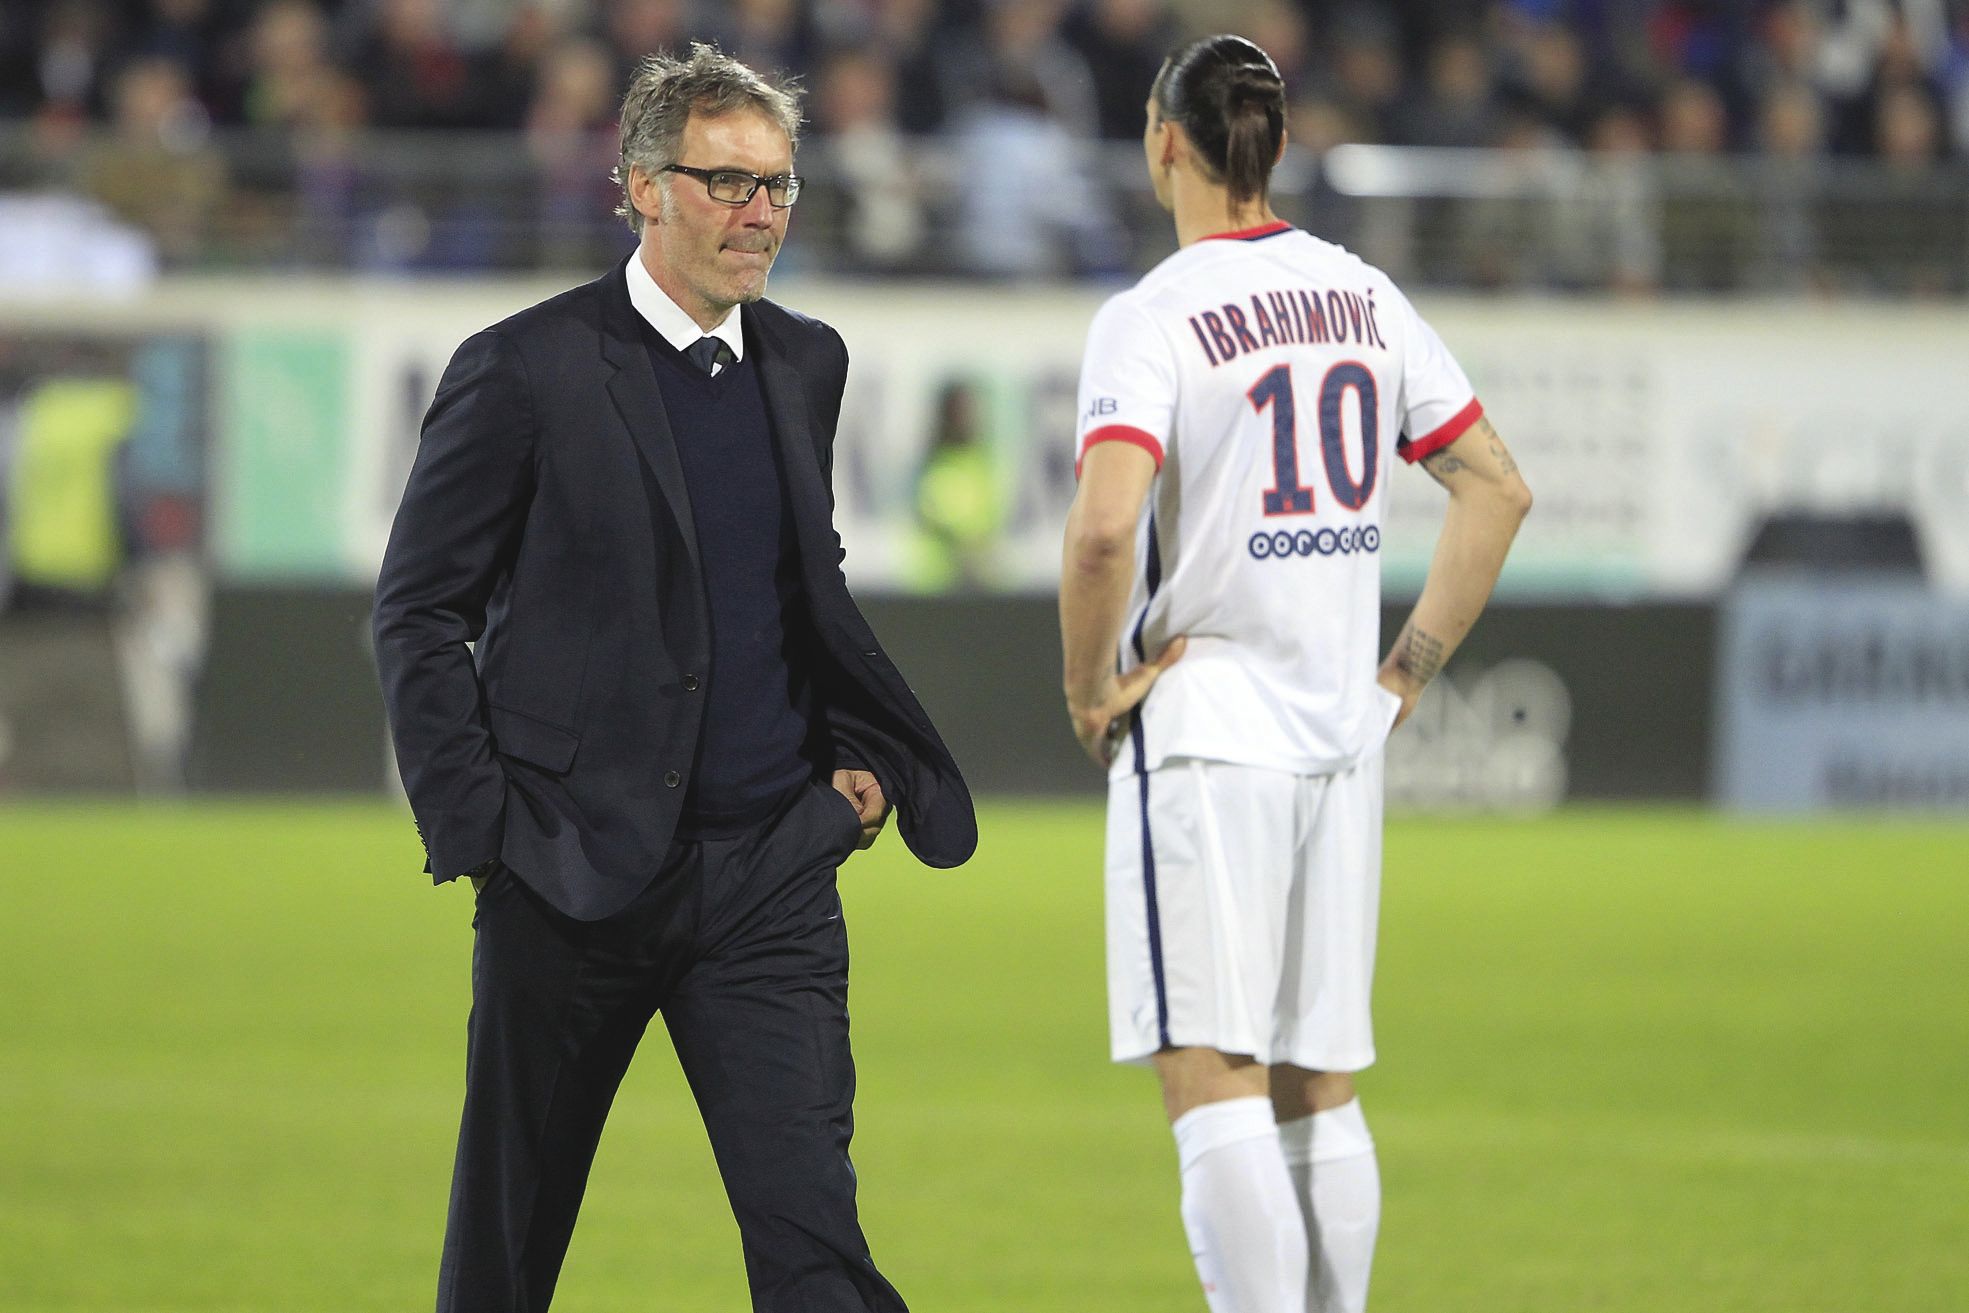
{"x": 1287, "y": 495}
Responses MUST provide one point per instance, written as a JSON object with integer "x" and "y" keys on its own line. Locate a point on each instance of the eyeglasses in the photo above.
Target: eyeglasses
{"x": 736, "y": 187}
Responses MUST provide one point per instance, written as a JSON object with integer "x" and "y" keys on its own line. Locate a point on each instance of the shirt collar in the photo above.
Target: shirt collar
{"x": 670, "y": 320}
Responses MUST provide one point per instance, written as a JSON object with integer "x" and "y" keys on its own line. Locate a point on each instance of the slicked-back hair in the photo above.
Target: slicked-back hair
{"x": 1230, "y": 100}
{"x": 666, "y": 90}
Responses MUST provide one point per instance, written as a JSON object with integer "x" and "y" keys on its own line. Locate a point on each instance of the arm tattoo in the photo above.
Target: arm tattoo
{"x": 1419, "y": 655}
{"x": 1499, "y": 452}
{"x": 1441, "y": 465}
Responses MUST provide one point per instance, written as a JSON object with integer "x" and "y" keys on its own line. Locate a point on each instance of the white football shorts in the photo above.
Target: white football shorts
{"x": 1242, "y": 905}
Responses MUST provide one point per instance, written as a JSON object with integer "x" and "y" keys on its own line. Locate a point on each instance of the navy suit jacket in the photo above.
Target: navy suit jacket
{"x": 546, "y": 520}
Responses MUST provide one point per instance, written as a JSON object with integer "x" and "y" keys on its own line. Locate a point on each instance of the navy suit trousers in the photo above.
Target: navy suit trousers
{"x": 739, "y": 944}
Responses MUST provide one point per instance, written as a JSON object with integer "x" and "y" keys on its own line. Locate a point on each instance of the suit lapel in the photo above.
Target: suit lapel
{"x": 632, "y": 386}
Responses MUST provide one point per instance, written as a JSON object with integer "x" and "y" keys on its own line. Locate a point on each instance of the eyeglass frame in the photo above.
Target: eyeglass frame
{"x": 793, "y": 182}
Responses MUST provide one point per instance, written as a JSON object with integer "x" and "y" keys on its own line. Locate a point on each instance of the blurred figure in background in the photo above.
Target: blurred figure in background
{"x": 881, "y": 217}
{"x": 1708, "y": 226}
{"x": 1913, "y": 232}
{"x": 329, "y": 202}
{"x": 417, "y": 75}
{"x": 1456, "y": 106}
{"x": 636, "y": 28}
{"x": 767, "y": 33}
{"x": 286, "y": 62}
{"x": 509, "y": 74}
{"x": 1545, "y": 77}
{"x": 570, "y": 135}
{"x": 1605, "y": 231}
{"x": 158, "y": 169}
{"x": 1366, "y": 79}
{"x": 1031, "y": 200}
{"x": 71, "y": 61}
{"x": 906, "y": 34}
{"x": 1123, "y": 42}
{"x": 1023, "y": 59}
{"x": 1788, "y": 180}
{"x": 960, "y": 498}
{"x": 191, "y": 35}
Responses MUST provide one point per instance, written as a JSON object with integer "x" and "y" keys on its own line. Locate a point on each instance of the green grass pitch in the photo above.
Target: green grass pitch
{"x": 1630, "y": 1061}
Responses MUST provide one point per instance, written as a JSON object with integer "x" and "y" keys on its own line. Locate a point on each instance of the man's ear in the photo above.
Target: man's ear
{"x": 644, "y": 194}
{"x": 1174, "y": 143}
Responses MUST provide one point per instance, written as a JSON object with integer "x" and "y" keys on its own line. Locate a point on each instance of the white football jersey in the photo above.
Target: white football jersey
{"x": 1274, "y": 377}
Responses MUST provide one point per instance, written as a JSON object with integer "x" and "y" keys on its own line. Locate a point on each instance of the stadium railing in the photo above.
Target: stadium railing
{"x": 999, "y": 205}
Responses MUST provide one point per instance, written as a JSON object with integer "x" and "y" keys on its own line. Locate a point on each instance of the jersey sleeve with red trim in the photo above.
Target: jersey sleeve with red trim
{"x": 1127, "y": 383}
{"x": 1437, "y": 402}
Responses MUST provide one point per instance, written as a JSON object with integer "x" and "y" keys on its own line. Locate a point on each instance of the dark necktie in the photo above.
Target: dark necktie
{"x": 709, "y": 354}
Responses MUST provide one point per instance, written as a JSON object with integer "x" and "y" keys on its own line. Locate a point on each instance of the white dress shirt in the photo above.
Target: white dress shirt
{"x": 672, "y": 322}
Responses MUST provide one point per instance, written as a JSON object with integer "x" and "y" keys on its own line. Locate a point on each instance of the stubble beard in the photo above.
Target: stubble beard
{"x": 746, "y": 288}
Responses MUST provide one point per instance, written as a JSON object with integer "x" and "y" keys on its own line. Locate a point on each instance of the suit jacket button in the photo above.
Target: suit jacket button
{"x": 671, "y": 779}
{"x": 690, "y": 683}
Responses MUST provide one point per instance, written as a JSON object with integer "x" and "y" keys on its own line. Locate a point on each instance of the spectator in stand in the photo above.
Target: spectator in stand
{"x": 1123, "y": 42}
{"x": 1916, "y": 236}
{"x": 882, "y": 223}
{"x": 1708, "y": 226}
{"x": 1030, "y": 199}
{"x": 1604, "y": 232}
{"x": 1907, "y": 131}
{"x": 1546, "y": 78}
{"x": 1367, "y": 73}
{"x": 1693, "y": 120}
{"x": 1023, "y": 62}
{"x": 157, "y": 169}
{"x": 287, "y": 59}
{"x": 508, "y": 74}
{"x": 1902, "y": 64}
{"x": 637, "y": 28}
{"x": 328, "y": 178}
{"x": 771, "y": 34}
{"x": 278, "y": 80}
{"x": 418, "y": 76}
{"x": 1788, "y": 180}
{"x": 1786, "y": 53}
{"x": 1704, "y": 40}
{"x": 907, "y": 34}
{"x": 573, "y": 100}
{"x": 20, "y": 37}
{"x": 191, "y": 34}
{"x": 1457, "y": 106}
{"x": 71, "y": 62}
{"x": 571, "y": 137}
{"x": 1502, "y": 240}
{"x": 1279, "y": 28}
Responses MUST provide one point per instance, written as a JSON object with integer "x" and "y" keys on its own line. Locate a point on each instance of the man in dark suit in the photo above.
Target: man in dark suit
{"x": 675, "y": 725}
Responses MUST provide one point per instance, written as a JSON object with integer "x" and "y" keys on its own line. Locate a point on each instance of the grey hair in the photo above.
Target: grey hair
{"x": 666, "y": 90}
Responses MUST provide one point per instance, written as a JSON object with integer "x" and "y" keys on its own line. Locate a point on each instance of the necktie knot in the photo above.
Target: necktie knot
{"x": 709, "y": 354}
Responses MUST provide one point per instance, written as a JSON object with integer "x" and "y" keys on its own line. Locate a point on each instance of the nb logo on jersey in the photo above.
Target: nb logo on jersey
{"x": 1099, "y": 407}
{"x": 1314, "y": 542}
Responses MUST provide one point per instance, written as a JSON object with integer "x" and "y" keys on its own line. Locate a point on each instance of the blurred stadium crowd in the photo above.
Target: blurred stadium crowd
{"x": 966, "y": 136}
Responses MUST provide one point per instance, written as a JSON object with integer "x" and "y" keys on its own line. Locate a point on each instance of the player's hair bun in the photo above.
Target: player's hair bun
{"x": 1253, "y": 84}
{"x": 1229, "y": 98}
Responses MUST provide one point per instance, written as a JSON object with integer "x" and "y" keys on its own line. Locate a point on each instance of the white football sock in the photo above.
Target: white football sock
{"x": 1244, "y": 1222}
{"x": 1331, "y": 1158}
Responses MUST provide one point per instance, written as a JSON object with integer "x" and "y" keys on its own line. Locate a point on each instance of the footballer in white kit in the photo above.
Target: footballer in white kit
{"x": 1276, "y": 379}
{"x": 1241, "y": 412}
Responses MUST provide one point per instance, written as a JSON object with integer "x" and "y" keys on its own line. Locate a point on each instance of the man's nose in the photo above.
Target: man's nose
{"x": 757, "y": 212}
